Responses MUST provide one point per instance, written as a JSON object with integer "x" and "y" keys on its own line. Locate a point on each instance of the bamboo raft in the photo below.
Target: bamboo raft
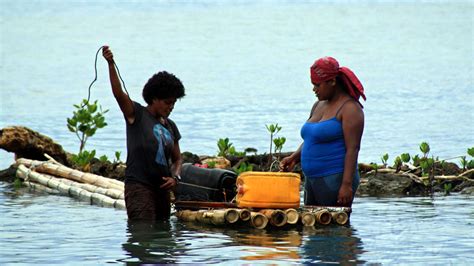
{"x": 54, "y": 178}
{"x": 224, "y": 213}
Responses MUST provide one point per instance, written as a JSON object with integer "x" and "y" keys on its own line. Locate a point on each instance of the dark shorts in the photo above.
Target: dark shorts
{"x": 323, "y": 191}
{"x": 146, "y": 203}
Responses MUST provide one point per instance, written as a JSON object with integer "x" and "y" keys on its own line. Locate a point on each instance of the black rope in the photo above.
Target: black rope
{"x": 95, "y": 77}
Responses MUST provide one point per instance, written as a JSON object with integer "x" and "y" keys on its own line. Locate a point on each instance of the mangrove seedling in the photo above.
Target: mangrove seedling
{"x": 279, "y": 142}
{"x": 447, "y": 188}
{"x": 103, "y": 159}
{"x": 405, "y": 157}
{"x": 117, "y": 156}
{"x": 384, "y": 159}
{"x": 425, "y": 149}
{"x": 470, "y": 151}
{"x": 86, "y": 120}
{"x": 397, "y": 164}
{"x": 416, "y": 160}
{"x": 224, "y": 146}
{"x": 273, "y": 129}
{"x": 83, "y": 159}
{"x": 244, "y": 167}
{"x": 463, "y": 162}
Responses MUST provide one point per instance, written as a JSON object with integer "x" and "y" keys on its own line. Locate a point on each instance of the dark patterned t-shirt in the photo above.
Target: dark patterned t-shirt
{"x": 149, "y": 146}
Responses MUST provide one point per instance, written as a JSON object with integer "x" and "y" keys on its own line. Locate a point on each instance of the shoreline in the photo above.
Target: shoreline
{"x": 376, "y": 180}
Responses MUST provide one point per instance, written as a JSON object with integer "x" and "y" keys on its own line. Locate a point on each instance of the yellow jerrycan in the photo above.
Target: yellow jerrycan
{"x": 279, "y": 190}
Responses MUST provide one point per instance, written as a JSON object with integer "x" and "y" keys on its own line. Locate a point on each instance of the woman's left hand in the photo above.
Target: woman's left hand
{"x": 344, "y": 198}
{"x": 170, "y": 182}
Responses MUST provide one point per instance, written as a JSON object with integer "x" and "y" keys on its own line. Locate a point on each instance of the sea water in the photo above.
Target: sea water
{"x": 244, "y": 64}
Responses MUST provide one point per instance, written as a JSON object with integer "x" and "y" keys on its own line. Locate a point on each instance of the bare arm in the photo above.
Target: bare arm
{"x": 177, "y": 161}
{"x": 288, "y": 163}
{"x": 353, "y": 126}
{"x": 123, "y": 100}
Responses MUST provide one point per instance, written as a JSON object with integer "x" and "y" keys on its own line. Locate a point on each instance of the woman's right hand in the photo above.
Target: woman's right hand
{"x": 107, "y": 54}
{"x": 287, "y": 164}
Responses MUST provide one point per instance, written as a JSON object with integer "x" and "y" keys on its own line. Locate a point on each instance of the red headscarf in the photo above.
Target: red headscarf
{"x": 327, "y": 68}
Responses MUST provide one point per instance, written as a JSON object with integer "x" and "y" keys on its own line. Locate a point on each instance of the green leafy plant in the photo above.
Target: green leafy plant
{"x": 224, "y": 146}
{"x": 426, "y": 165}
{"x": 234, "y": 152}
{"x": 83, "y": 158}
{"x": 425, "y": 149}
{"x": 103, "y": 159}
{"x": 17, "y": 183}
{"x": 279, "y": 142}
{"x": 397, "y": 163}
{"x": 470, "y": 151}
{"x": 86, "y": 119}
{"x": 117, "y": 156}
{"x": 273, "y": 129}
{"x": 211, "y": 164}
{"x": 384, "y": 159}
{"x": 405, "y": 157}
{"x": 463, "y": 163}
{"x": 416, "y": 160}
{"x": 244, "y": 167}
{"x": 447, "y": 188}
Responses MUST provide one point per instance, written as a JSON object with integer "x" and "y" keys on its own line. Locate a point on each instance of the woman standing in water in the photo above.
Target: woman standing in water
{"x": 153, "y": 154}
{"x": 331, "y": 136}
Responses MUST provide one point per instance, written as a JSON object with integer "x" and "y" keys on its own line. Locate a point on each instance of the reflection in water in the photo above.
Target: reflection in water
{"x": 327, "y": 244}
{"x": 331, "y": 244}
{"x": 281, "y": 244}
{"x": 150, "y": 242}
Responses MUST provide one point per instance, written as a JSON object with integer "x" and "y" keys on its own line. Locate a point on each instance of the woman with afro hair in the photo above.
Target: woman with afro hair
{"x": 153, "y": 153}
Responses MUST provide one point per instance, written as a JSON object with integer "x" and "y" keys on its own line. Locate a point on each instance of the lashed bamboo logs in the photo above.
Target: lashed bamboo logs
{"x": 258, "y": 220}
{"x": 65, "y": 189}
{"x": 40, "y": 188}
{"x": 244, "y": 214}
{"x": 340, "y": 217}
{"x": 307, "y": 218}
{"x": 216, "y": 217}
{"x": 69, "y": 173}
{"x": 323, "y": 216}
{"x": 275, "y": 217}
{"x": 187, "y": 215}
{"x": 292, "y": 216}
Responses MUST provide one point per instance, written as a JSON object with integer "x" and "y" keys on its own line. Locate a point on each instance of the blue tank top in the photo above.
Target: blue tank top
{"x": 324, "y": 149}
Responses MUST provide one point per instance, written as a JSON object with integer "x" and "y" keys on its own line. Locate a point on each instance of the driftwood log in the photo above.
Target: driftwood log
{"x": 27, "y": 143}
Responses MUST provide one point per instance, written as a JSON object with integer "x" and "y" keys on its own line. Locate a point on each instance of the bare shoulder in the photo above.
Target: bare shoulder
{"x": 352, "y": 110}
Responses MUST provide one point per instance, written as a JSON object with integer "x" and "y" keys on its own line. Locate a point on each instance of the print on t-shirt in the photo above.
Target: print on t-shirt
{"x": 165, "y": 143}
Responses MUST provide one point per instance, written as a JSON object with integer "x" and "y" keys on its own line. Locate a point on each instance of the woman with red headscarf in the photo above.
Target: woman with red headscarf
{"x": 331, "y": 136}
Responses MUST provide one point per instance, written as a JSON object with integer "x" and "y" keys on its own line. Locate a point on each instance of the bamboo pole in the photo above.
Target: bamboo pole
{"x": 340, "y": 217}
{"x": 292, "y": 216}
{"x": 203, "y": 217}
{"x": 68, "y": 190}
{"x": 40, "y": 188}
{"x": 187, "y": 215}
{"x": 276, "y": 217}
{"x": 231, "y": 215}
{"x": 69, "y": 173}
{"x": 307, "y": 218}
{"x": 323, "y": 216}
{"x": 110, "y": 192}
{"x": 258, "y": 220}
{"x": 244, "y": 214}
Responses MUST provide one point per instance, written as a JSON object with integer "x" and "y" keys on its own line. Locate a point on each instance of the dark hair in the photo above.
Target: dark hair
{"x": 162, "y": 85}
